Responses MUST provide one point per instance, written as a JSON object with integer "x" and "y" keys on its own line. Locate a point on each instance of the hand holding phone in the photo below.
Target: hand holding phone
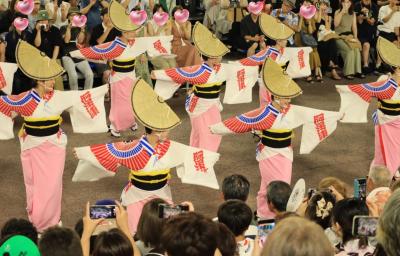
{"x": 165, "y": 210}
{"x": 264, "y": 228}
{"x": 364, "y": 226}
{"x": 102, "y": 212}
{"x": 360, "y": 188}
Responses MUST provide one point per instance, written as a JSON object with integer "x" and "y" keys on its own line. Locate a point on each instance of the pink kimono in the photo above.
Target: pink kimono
{"x": 355, "y": 100}
{"x": 274, "y": 152}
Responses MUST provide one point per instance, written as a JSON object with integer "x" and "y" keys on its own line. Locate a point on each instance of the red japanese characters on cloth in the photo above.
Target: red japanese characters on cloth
{"x": 159, "y": 47}
{"x": 240, "y": 79}
{"x": 90, "y": 107}
{"x": 3, "y": 82}
{"x": 300, "y": 56}
{"x": 319, "y": 121}
{"x": 198, "y": 158}
{"x": 192, "y": 103}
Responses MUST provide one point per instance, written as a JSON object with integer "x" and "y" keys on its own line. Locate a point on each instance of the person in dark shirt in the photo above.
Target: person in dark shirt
{"x": 252, "y": 38}
{"x": 92, "y": 10}
{"x": 48, "y": 39}
{"x": 74, "y": 36}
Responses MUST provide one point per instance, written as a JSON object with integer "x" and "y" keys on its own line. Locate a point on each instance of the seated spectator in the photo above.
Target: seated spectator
{"x": 74, "y": 36}
{"x": 251, "y": 37}
{"x": 103, "y": 33}
{"x": 160, "y": 62}
{"x": 288, "y": 17}
{"x": 237, "y": 216}
{"x": 191, "y": 234}
{"x": 150, "y": 227}
{"x": 186, "y": 53}
{"x": 367, "y": 16}
{"x": 342, "y": 223}
{"x": 278, "y": 193}
{"x": 235, "y": 186}
{"x": 23, "y": 227}
{"x": 48, "y": 39}
{"x": 326, "y": 49}
{"x": 319, "y": 208}
{"x": 297, "y": 236}
{"x": 92, "y": 10}
{"x": 308, "y": 27}
{"x": 338, "y": 187}
{"x": 33, "y": 16}
{"x": 58, "y": 13}
{"x": 378, "y": 176}
{"x": 228, "y": 21}
{"x": 112, "y": 243}
{"x": 7, "y": 16}
{"x": 346, "y": 25}
{"x": 212, "y": 10}
{"x": 60, "y": 241}
{"x": 389, "y": 18}
{"x": 388, "y": 234}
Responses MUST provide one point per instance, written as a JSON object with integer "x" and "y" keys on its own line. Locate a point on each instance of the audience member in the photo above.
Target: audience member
{"x": 297, "y": 236}
{"x": 251, "y": 37}
{"x": 60, "y": 241}
{"x": 288, "y": 17}
{"x": 92, "y": 10}
{"x": 388, "y": 234}
{"x": 58, "y": 11}
{"x": 23, "y": 227}
{"x": 112, "y": 243}
{"x": 228, "y": 22}
{"x": 278, "y": 193}
{"x": 237, "y": 216}
{"x": 342, "y": 223}
{"x": 186, "y": 53}
{"x": 33, "y": 16}
{"x": 18, "y": 245}
{"x": 319, "y": 208}
{"x": 7, "y": 17}
{"x": 367, "y": 16}
{"x": 47, "y": 39}
{"x": 346, "y": 25}
{"x": 73, "y": 37}
{"x": 235, "y": 186}
{"x": 3, "y": 5}
{"x": 378, "y": 176}
{"x": 338, "y": 187}
{"x": 160, "y": 62}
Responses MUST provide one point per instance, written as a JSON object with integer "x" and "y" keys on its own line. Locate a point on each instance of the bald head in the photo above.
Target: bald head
{"x": 379, "y": 176}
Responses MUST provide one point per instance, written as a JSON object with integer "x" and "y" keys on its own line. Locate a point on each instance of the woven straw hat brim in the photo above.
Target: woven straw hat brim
{"x": 207, "y": 43}
{"x": 35, "y": 64}
{"x": 119, "y": 17}
{"x": 389, "y": 52}
{"x": 273, "y": 28}
{"x": 151, "y": 110}
{"x": 278, "y": 82}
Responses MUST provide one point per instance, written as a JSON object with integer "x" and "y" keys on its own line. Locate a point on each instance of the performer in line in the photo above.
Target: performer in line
{"x": 42, "y": 140}
{"x": 122, "y": 53}
{"x": 202, "y": 103}
{"x": 276, "y": 122}
{"x": 149, "y": 158}
{"x": 355, "y": 100}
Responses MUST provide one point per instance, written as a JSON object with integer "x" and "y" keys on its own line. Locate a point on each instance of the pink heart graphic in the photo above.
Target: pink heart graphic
{"x": 79, "y": 21}
{"x": 307, "y": 11}
{"x": 160, "y": 18}
{"x": 181, "y": 16}
{"x": 21, "y": 23}
{"x": 138, "y": 17}
{"x": 25, "y": 6}
{"x": 255, "y": 8}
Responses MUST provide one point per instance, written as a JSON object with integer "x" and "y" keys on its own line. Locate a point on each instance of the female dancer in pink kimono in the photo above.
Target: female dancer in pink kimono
{"x": 355, "y": 100}
{"x": 42, "y": 140}
{"x": 276, "y": 121}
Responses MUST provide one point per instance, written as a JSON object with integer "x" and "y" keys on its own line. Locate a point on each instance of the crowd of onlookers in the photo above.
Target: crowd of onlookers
{"x": 328, "y": 221}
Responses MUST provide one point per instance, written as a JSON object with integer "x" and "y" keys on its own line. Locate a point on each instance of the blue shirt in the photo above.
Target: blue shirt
{"x": 94, "y": 14}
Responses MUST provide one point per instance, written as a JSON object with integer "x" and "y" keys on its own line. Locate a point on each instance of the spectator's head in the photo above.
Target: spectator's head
{"x": 297, "y": 236}
{"x": 189, "y": 234}
{"x": 72, "y": 12}
{"x": 226, "y": 241}
{"x": 324, "y": 5}
{"x": 112, "y": 243}
{"x": 320, "y": 208}
{"x": 43, "y": 19}
{"x": 36, "y": 7}
{"x": 236, "y": 215}
{"x": 395, "y": 185}
{"x": 23, "y": 227}
{"x": 366, "y": 2}
{"x": 60, "y": 241}
{"x": 343, "y": 214}
{"x": 235, "y": 186}
{"x": 158, "y": 8}
{"x": 278, "y": 193}
{"x": 347, "y": 4}
{"x": 178, "y": 7}
{"x": 288, "y": 5}
{"x": 18, "y": 245}
{"x": 150, "y": 224}
{"x": 388, "y": 234}
{"x": 339, "y": 185}
{"x": 379, "y": 176}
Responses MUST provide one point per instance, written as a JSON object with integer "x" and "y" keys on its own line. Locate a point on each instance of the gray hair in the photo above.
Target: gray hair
{"x": 380, "y": 176}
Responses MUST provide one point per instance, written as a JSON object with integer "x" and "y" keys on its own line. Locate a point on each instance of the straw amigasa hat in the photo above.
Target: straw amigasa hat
{"x": 278, "y": 82}
{"x": 207, "y": 43}
{"x": 151, "y": 110}
{"x": 389, "y": 52}
{"x": 119, "y": 17}
{"x": 273, "y": 28}
{"x": 36, "y": 64}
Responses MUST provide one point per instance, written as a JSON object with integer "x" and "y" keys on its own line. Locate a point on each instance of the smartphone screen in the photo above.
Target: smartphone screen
{"x": 165, "y": 210}
{"x": 264, "y": 228}
{"x": 364, "y": 225}
{"x": 102, "y": 212}
{"x": 360, "y": 188}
